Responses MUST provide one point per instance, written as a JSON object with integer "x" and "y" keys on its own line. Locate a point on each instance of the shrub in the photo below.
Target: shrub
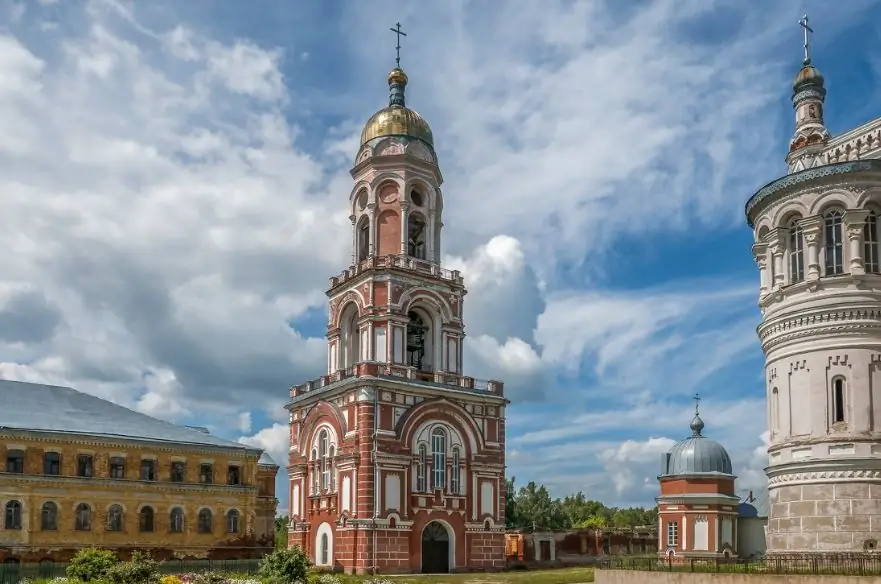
{"x": 170, "y": 580}
{"x": 91, "y": 564}
{"x": 326, "y": 578}
{"x": 141, "y": 569}
{"x": 285, "y": 566}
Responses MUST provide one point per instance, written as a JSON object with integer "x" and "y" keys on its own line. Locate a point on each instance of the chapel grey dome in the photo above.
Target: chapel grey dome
{"x": 696, "y": 455}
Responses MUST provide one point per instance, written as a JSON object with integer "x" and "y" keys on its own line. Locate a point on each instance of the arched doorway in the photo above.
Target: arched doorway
{"x": 435, "y": 549}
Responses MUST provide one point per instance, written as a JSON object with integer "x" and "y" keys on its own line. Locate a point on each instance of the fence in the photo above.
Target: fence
{"x": 12, "y": 573}
{"x": 850, "y": 565}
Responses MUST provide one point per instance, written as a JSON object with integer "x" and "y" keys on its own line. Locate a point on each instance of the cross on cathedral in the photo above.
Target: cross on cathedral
{"x": 808, "y": 31}
{"x": 697, "y": 401}
{"x": 397, "y": 30}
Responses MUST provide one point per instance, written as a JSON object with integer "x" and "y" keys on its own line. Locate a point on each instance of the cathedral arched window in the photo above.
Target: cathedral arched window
{"x": 870, "y": 242}
{"x": 438, "y": 458}
{"x": 420, "y": 469}
{"x": 456, "y": 473}
{"x": 417, "y": 332}
{"x": 838, "y": 396}
{"x": 833, "y": 244}
{"x": 324, "y": 459}
{"x": 796, "y": 252}
{"x": 316, "y": 475}
{"x": 416, "y": 236}
{"x": 363, "y": 242}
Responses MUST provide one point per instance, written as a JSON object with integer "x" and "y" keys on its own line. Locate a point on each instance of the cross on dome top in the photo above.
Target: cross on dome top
{"x": 697, "y": 425}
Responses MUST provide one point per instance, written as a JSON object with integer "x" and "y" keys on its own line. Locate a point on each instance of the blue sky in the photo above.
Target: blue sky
{"x": 175, "y": 178}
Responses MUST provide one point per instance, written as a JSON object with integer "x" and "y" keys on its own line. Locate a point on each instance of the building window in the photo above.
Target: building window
{"x": 52, "y": 464}
{"x": 796, "y": 252}
{"x": 316, "y": 475}
{"x": 421, "y": 486}
{"x": 83, "y": 518}
{"x": 870, "y": 242}
{"x": 84, "y": 467}
{"x": 416, "y": 237}
{"x": 178, "y": 472}
{"x": 438, "y": 458}
{"x": 117, "y": 467}
{"x": 838, "y": 400}
{"x": 176, "y": 520}
{"x": 416, "y": 331}
{"x": 672, "y": 534}
{"x": 325, "y": 550}
{"x": 114, "y": 518}
{"x": 15, "y": 461}
{"x": 206, "y": 474}
{"x": 49, "y": 516}
{"x": 324, "y": 459}
{"x": 205, "y": 521}
{"x": 148, "y": 469}
{"x": 833, "y": 245}
{"x": 232, "y": 521}
{"x": 13, "y": 515}
{"x": 455, "y": 482}
{"x": 363, "y": 239}
{"x": 145, "y": 520}
{"x": 233, "y": 475}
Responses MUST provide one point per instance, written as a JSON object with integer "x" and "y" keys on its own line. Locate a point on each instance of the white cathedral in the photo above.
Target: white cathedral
{"x": 817, "y": 250}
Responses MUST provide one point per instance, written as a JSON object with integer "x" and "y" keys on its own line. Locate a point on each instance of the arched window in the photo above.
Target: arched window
{"x": 325, "y": 550}
{"x": 870, "y": 241}
{"x": 833, "y": 245}
{"x": 13, "y": 515}
{"x": 145, "y": 520}
{"x": 114, "y": 518}
{"x": 421, "y": 486}
{"x": 324, "y": 459}
{"x": 438, "y": 458}
{"x": 83, "y": 517}
{"x": 232, "y": 521}
{"x": 455, "y": 480}
{"x": 176, "y": 520}
{"x": 416, "y": 236}
{"x": 316, "y": 475}
{"x": 363, "y": 239}
{"x": 796, "y": 252}
{"x": 775, "y": 404}
{"x": 49, "y": 516}
{"x": 205, "y": 521}
{"x": 416, "y": 332}
{"x": 351, "y": 337}
{"x": 330, "y": 480}
{"x": 838, "y": 400}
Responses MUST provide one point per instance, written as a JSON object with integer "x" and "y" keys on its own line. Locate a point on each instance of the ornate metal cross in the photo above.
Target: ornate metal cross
{"x": 808, "y": 31}
{"x": 697, "y": 400}
{"x": 397, "y": 30}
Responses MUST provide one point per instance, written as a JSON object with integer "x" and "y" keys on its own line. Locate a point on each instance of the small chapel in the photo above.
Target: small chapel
{"x": 397, "y": 458}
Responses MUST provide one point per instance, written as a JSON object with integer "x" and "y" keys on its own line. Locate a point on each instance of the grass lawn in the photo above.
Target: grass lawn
{"x": 559, "y": 576}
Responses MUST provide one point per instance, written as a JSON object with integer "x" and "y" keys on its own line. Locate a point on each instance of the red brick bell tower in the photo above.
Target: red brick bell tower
{"x": 397, "y": 459}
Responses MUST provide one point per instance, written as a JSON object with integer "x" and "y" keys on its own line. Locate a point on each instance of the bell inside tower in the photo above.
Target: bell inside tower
{"x": 416, "y": 330}
{"x": 416, "y": 237}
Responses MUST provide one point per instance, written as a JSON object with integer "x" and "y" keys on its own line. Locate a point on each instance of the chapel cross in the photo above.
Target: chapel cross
{"x": 697, "y": 399}
{"x": 808, "y": 31}
{"x": 397, "y": 30}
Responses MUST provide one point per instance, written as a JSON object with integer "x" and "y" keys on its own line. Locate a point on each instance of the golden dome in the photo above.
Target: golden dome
{"x": 397, "y": 119}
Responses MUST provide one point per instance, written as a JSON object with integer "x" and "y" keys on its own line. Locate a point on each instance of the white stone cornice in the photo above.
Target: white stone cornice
{"x": 842, "y": 470}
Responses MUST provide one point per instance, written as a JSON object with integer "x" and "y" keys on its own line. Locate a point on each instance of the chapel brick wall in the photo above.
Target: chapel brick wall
{"x": 486, "y": 551}
{"x": 32, "y": 489}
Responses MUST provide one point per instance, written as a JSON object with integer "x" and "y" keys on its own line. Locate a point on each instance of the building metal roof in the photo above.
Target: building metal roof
{"x": 696, "y": 455}
{"x": 266, "y": 460}
{"x": 62, "y": 410}
{"x": 754, "y": 503}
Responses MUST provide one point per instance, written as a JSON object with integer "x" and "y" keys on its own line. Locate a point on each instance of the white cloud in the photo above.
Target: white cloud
{"x": 275, "y": 440}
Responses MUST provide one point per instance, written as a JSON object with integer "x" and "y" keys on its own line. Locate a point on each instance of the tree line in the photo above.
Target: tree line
{"x": 531, "y": 508}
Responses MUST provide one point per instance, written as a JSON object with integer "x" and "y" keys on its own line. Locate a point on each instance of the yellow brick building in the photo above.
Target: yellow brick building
{"x": 81, "y": 471}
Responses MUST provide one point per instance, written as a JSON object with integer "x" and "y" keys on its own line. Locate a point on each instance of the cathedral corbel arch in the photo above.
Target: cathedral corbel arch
{"x": 427, "y": 299}
{"x": 386, "y": 177}
{"x": 762, "y": 230}
{"x": 351, "y": 297}
{"x": 323, "y": 414}
{"x": 441, "y": 410}
{"x": 869, "y": 198}
{"x": 785, "y": 213}
{"x": 837, "y": 198}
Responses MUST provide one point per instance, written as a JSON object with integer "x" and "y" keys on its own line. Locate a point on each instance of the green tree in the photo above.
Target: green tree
{"x": 281, "y": 532}
{"x": 536, "y": 510}
{"x": 512, "y": 518}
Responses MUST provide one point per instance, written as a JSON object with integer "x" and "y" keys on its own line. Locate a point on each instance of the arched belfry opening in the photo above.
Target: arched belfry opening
{"x": 418, "y": 336}
{"x": 350, "y": 337}
{"x": 436, "y": 549}
{"x": 416, "y": 236}
{"x": 363, "y": 241}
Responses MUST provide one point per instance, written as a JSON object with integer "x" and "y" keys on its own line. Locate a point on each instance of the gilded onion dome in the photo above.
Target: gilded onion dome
{"x": 397, "y": 119}
{"x": 808, "y": 76}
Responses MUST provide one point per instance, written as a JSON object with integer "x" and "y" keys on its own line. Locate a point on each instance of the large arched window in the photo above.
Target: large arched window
{"x": 350, "y": 337}
{"x": 176, "y": 520}
{"x": 205, "y": 521}
{"x": 232, "y": 521}
{"x": 870, "y": 242}
{"x": 455, "y": 478}
{"x": 363, "y": 242}
{"x": 417, "y": 332}
{"x": 316, "y": 476}
{"x": 324, "y": 459}
{"x": 833, "y": 244}
{"x": 114, "y": 518}
{"x": 13, "y": 515}
{"x": 325, "y": 549}
{"x": 83, "y": 517}
{"x": 421, "y": 485}
{"x": 796, "y": 252}
{"x": 49, "y": 516}
{"x": 838, "y": 398}
{"x": 416, "y": 236}
{"x": 438, "y": 458}
{"x": 145, "y": 520}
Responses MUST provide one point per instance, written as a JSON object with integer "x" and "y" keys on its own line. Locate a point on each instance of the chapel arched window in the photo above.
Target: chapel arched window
{"x": 438, "y": 458}
{"x": 870, "y": 243}
{"x": 796, "y": 252}
{"x": 324, "y": 459}
{"x": 421, "y": 485}
{"x": 833, "y": 244}
{"x": 838, "y": 400}
{"x": 416, "y": 331}
{"x": 455, "y": 478}
{"x": 363, "y": 239}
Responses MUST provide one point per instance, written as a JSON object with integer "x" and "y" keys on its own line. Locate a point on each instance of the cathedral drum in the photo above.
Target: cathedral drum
{"x": 817, "y": 250}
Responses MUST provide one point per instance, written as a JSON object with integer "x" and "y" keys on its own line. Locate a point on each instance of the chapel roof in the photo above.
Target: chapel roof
{"x": 63, "y": 410}
{"x": 696, "y": 455}
{"x": 397, "y": 119}
{"x": 754, "y": 503}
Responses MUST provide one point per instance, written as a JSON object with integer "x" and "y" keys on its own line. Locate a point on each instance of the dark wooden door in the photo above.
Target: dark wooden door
{"x": 435, "y": 549}
{"x": 544, "y": 550}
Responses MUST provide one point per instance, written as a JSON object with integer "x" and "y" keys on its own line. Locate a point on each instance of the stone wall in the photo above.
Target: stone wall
{"x": 31, "y": 489}
{"x": 833, "y": 517}
{"x": 637, "y": 577}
